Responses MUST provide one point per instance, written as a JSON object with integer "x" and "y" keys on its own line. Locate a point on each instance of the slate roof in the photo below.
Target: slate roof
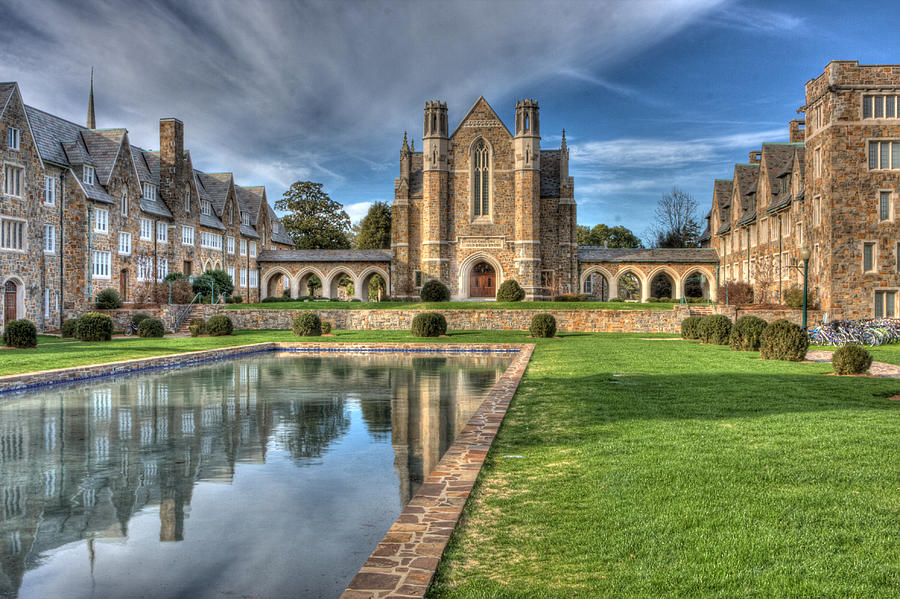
{"x": 211, "y": 222}
{"x": 279, "y": 233}
{"x": 746, "y": 176}
{"x": 722, "y": 189}
{"x": 600, "y": 254}
{"x": 140, "y": 165}
{"x": 250, "y": 198}
{"x": 49, "y": 134}
{"x": 324, "y": 256}
{"x": 248, "y": 231}
{"x": 216, "y": 185}
{"x": 103, "y": 147}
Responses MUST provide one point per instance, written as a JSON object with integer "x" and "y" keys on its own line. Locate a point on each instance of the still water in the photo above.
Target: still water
{"x": 264, "y": 477}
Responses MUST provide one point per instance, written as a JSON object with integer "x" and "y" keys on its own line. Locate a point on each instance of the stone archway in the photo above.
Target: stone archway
{"x": 465, "y": 272}
{"x": 333, "y": 287}
{"x": 697, "y": 283}
{"x": 662, "y": 286}
{"x": 596, "y": 283}
{"x": 369, "y": 285}
{"x": 309, "y": 282}
{"x": 275, "y": 282}
{"x": 629, "y": 286}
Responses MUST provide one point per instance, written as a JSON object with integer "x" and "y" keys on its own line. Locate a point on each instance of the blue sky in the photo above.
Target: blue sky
{"x": 652, "y": 94}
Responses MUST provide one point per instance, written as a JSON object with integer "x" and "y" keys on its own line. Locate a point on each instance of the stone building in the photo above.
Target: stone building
{"x": 833, "y": 188}
{"x": 82, "y": 209}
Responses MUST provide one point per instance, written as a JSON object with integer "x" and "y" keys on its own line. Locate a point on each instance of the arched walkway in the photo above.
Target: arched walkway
{"x": 332, "y": 285}
{"x": 699, "y": 282}
{"x": 597, "y": 283}
{"x": 664, "y": 283}
{"x": 466, "y": 268}
{"x": 367, "y": 277}
{"x": 308, "y": 282}
{"x": 275, "y": 281}
{"x": 631, "y": 285}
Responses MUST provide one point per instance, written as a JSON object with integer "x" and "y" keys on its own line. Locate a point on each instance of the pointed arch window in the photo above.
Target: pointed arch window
{"x": 481, "y": 177}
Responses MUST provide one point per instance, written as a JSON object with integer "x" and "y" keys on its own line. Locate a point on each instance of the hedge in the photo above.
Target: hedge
{"x": 690, "y": 327}
{"x": 715, "y": 329}
{"x": 746, "y": 334}
{"x": 219, "y": 326}
{"x": 20, "y": 333}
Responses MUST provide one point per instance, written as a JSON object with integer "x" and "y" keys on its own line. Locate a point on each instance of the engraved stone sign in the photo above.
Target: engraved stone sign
{"x": 481, "y": 243}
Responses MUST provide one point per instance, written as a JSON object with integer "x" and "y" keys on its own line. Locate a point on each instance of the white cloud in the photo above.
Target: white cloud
{"x": 357, "y": 211}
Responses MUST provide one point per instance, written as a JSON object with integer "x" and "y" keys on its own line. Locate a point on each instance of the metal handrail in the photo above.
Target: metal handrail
{"x": 185, "y": 312}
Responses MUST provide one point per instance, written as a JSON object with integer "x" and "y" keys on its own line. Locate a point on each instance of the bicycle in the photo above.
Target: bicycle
{"x": 130, "y": 330}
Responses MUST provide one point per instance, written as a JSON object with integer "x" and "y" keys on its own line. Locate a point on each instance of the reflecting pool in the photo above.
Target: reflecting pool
{"x": 265, "y": 476}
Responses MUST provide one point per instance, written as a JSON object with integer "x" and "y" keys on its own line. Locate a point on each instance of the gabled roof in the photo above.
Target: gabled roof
{"x": 250, "y": 199}
{"x": 592, "y": 253}
{"x": 746, "y": 177}
{"x": 103, "y": 146}
{"x": 140, "y": 165}
{"x": 481, "y": 104}
{"x": 6, "y": 90}
{"x": 778, "y": 158}
{"x": 51, "y": 133}
{"x": 216, "y": 186}
{"x": 722, "y": 189}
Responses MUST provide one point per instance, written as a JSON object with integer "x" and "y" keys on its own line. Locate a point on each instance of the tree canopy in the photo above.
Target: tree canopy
{"x": 374, "y": 231}
{"x": 614, "y": 237}
{"x": 677, "y": 224}
{"x": 313, "y": 220}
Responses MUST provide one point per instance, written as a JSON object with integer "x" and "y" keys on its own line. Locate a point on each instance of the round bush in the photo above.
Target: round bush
{"x": 20, "y": 333}
{"x": 109, "y": 299}
{"x": 429, "y": 324}
{"x": 326, "y": 327}
{"x": 69, "y": 328}
{"x": 137, "y": 319}
{"x": 151, "y": 327}
{"x": 307, "y": 324}
{"x": 715, "y": 329}
{"x": 851, "y": 359}
{"x": 783, "y": 340}
{"x": 219, "y": 326}
{"x": 94, "y": 327}
{"x": 746, "y": 333}
{"x": 690, "y": 327}
{"x": 542, "y": 325}
{"x": 435, "y": 291}
{"x": 197, "y": 326}
{"x": 510, "y": 291}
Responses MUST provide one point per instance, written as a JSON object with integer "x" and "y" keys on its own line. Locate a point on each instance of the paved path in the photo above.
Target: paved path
{"x": 877, "y": 369}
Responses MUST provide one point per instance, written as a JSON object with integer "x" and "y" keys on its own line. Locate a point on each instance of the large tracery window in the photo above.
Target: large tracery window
{"x": 482, "y": 178}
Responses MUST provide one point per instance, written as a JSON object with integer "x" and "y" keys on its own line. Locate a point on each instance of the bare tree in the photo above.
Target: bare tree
{"x": 764, "y": 281}
{"x": 677, "y": 224}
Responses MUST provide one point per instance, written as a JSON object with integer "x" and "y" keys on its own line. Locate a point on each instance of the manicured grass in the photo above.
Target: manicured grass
{"x": 635, "y": 468}
{"x": 889, "y": 354}
{"x": 452, "y": 306}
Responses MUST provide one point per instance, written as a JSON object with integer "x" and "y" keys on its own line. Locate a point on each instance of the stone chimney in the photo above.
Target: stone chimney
{"x": 797, "y": 131}
{"x": 755, "y": 157}
{"x": 171, "y": 160}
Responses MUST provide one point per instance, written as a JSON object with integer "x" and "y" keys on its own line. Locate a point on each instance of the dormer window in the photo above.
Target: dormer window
{"x": 205, "y": 208}
{"x": 88, "y": 175}
{"x": 149, "y": 190}
{"x": 13, "y": 138}
{"x": 245, "y": 218}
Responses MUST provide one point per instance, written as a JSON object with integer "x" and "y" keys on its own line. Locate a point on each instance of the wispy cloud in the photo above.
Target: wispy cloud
{"x": 756, "y": 19}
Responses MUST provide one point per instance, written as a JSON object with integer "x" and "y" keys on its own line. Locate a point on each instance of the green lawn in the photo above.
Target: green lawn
{"x": 635, "y": 468}
{"x": 452, "y": 306}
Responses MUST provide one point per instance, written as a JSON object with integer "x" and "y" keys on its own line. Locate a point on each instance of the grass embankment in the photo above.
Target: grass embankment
{"x": 325, "y": 305}
{"x": 655, "y": 468}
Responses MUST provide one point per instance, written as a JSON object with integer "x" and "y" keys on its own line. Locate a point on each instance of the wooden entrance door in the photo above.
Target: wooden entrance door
{"x": 482, "y": 281}
{"x": 10, "y": 300}
{"x": 123, "y": 285}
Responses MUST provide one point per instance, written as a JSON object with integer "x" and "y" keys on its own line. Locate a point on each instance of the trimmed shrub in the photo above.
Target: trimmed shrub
{"x": 151, "y": 327}
{"x": 736, "y": 293}
{"x": 326, "y": 327}
{"x": 20, "y": 333}
{"x": 571, "y": 297}
{"x": 275, "y": 299}
{"x": 715, "y": 329}
{"x": 510, "y": 291}
{"x": 307, "y": 324}
{"x": 94, "y": 327}
{"x": 69, "y": 328}
{"x": 239, "y": 299}
{"x": 690, "y": 327}
{"x": 783, "y": 340}
{"x": 197, "y": 327}
{"x": 138, "y": 318}
{"x": 849, "y": 359}
{"x": 429, "y": 324}
{"x": 355, "y": 299}
{"x": 793, "y": 298}
{"x": 747, "y": 332}
{"x": 435, "y": 291}
{"x": 108, "y": 299}
{"x": 219, "y": 326}
{"x": 542, "y": 325}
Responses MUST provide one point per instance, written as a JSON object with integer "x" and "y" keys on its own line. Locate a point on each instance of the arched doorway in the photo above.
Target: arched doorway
{"x": 696, "y": 285}
{"x": 662, "y": 286}
{"x": 596, "y": 285}
{"x": 10, "y": 301}
{"x": 629, "y": 287}
{"x": 482, "y": 281}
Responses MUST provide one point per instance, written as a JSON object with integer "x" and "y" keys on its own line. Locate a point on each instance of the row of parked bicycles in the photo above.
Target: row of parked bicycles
{"x": 872, "y": 332}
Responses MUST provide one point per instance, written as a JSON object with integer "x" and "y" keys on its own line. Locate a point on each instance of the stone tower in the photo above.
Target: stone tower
{"x": 435, "y": 175}
{"x": 527, "y": 149}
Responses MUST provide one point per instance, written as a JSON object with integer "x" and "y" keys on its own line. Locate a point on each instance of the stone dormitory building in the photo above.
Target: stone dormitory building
{"x": 82, "y": 209}
{"x": 833, "y": 188}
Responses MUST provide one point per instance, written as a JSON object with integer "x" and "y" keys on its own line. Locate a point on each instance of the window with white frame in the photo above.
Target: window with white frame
{"x": 868, "y": 256}
{"x": 100, "y": 264}
{"x": 146, "y": 229}
{"x": 88, "y": 175}
{"x": 149, "y": 191}
{"x": 885, "y": 303}
{"x": 884, "y": 155}
{"x": 210, "y": 240}
{"x": 13, "y": 138}
{"x": 124, "y": 205}
{"x": 243, "y": 247}
{"x": 101, "y": 221}
{"x": 12, "y": 234}
{"x": 162, "y": 269}
{"x": 124, "y": 243}
{"x": 162, "y": 232}
{"x": 884, "y": 206}
{"x": 254, "y": 280}
{"x": 144, "y": 268}
{"x": 230, "y": 244}
{"x": 243, "y": 277}
{"x": 12, "y": 180}
{"x": 880, "y": 107}
{"x": 245, "y": 218}
{"x": 253, "y": 249}
{"x": 50, "y": 191}
{"x": 187, "y": 235}
{"x": 205, "y": 207}
{"x": 49, "y": 239}
{"x": 230, "y": 271}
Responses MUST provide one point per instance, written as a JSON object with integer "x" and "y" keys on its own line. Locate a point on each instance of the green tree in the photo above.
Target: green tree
{"x": 614, "y": 237}
{"x": 375, "y": 229}
{"x": 313, "y": 220}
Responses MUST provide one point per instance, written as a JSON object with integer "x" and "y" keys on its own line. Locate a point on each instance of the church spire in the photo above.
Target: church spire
{"x": 91, "y": 120}
{"x": 563, "y": 146}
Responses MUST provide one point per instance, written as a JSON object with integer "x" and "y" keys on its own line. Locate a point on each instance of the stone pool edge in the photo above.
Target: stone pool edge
{"x": 405, "y": 561}
{"x": 29, "y": 381}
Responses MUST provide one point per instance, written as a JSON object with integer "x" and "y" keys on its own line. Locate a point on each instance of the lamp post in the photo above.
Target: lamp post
{"x": 805, "y": 254}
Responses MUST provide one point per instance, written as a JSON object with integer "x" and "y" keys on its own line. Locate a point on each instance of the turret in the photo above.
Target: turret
{"x": 527, "y": 149}
{"x": 435, "y": 139}
{"x": 528, "y": 135}
{"x": 405, "y": 159}
{"x": 435, "y": 185}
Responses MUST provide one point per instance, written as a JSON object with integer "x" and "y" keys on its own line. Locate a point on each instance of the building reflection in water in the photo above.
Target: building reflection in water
{"x": 77, "y": 463}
